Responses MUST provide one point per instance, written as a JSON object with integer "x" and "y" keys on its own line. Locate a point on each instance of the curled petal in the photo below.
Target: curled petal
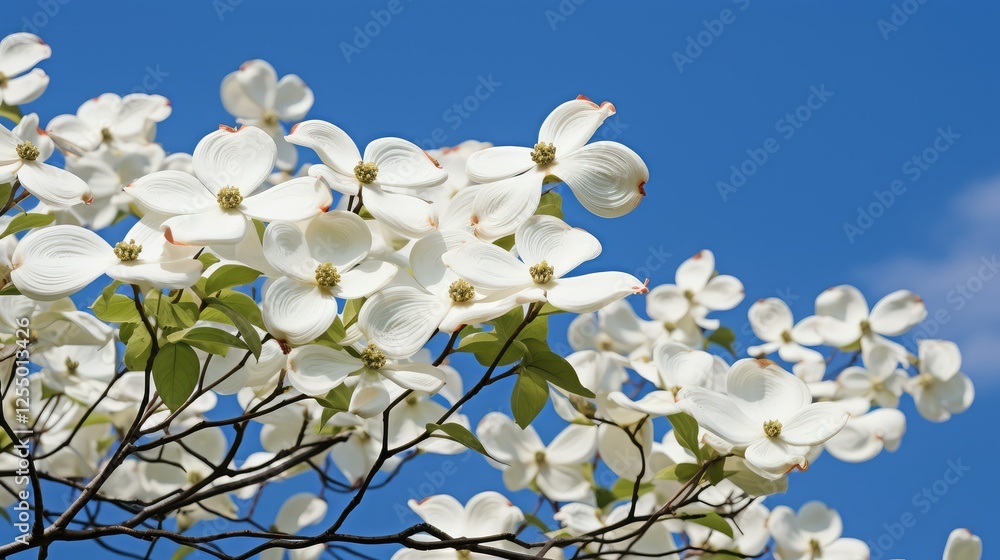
{"x": 58, "y": 261}
{"x": 607, "y": 178}
{"x": 403, "y": 164}
{"x": 235, "y": 158}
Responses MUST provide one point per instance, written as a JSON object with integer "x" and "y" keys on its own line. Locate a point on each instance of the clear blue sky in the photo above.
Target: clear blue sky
{"x": 891, "y": 90}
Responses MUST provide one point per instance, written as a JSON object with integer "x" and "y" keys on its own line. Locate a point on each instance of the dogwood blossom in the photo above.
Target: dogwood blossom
{"x": 111, "y": 121}
{"x": 940, "y": 389}
{"x": 814, "y": 532}
{"x": 24, "y": 159}
{"x": 697, "y": 292}
{"x": 486, "y": 513}
{"x": 20, "y": 81}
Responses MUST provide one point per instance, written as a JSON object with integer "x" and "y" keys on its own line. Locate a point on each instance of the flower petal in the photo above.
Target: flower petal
{"x": 897, "y": 312}
{"x": 694, "y": 273}
{"x": 316, "y": 370}
{"x": 401, "y": 319}
{"x": 415, "y": 375}
{"x": 364, "y": 279}
{"x": 293, "y": 98}
{"x": 488, "y": 266}
{"x": 295, "y": 200}
{"x": 570, "y": 125}
{"x": 668, "y": 303}
{"x": 235, "y": 158}
{"x": 172, "y": 192}
{"x": 844, "y": 303}
{"x": 769, "y": 318}
{"x": 501, "y": 207}
{"x": 498, "y": 163}
{"x": 940, "y": 358}
{"x": 26, "y": 88}
{"x": 73, "y": 134}
{"x": 56, "y": 187}
{"x": 590, "y": 292}
{"x": 250, "y": 91}
{"x": 408, "y": 216}
{"x": 58, "y": 261}
{"x": 815, "y": 424}
{"x": 722, "y": 292}
{"x": 339, "y": 238}
{"x": 19, "y": 52}
{"x": 215, "y": 226}
{"x": 174, "y": 275}
{"x": 370, "y": 397}
{"x": 715, "y": 412}
{"x": 286, "y": 250}
{"x": 763, "y": 391}
{"x": 402, "y": 164}
{"x": 333, "y": 146}
{"x": 549, "y": 239}
{"x": 489, "y": 513}
{"x": 297, "y": 312}
{"x": 607, "y": 178}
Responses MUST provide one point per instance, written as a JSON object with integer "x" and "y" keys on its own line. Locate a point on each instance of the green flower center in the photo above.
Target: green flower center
{"x": 543, "y": 154}
{"x": 866, "y": 328}
{"x": 461, "y": 291}
{"x": 772, "y": 428}
{"x": 327, "y": 275}
{"x": 71, "y": 365}
{"x": 366, "y": 172}
{"x": 270, "y": 119}
{"x": 539, "y": 457}
{"x": 229, "y": 198}
{"x": 786, "y": 337}
{"x": 127, "y": 250}
{"x": 27, "y": 151}
{"x": 372, "y": 357}
{"x": 105, "y": 135}
{"x": 541, "y": 272}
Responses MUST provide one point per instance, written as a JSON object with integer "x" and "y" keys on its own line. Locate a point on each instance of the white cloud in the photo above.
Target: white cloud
{"x": 960, "y": 283}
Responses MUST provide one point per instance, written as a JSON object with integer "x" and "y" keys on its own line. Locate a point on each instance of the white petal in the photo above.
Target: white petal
{"x": 940, "y": 358}
{"x": 774, "y": 456}
{"x": 215, "y": 226}
{"x": 296, "y": 200}
{"x": 26, "y": 88}
{"x": 864, "y": 437}
{"x": 297, "y": 312}
{"x": 500, "y": 162}
{"x": 963, "y": 545}
{"x": 56, "y": 187}
{"x": 172, "y": 192}
{"x": 426, "y": 262}
{"x": 694, "y": 273}
{"x": 501, "y": 207}
{"x": 620, "y": 454}
{"x": 135, "y": 113}
{"x": 174, "y": 275}
{"x": 563, "y": 482}
{"x": 822, "y": 521}
{"x": 489, "y": 513}
{"x": 716, "y": 413}
{"x": 334, "y": 180}
{"x": 844, "y": 303}
{"x": 769, "y": 318}
{"x": 286, "y": 250}
{"x": 316, "y": 370}
{"x": 293, "y": 99}
{"x": 897, "y": 312}
{"x": 488, "y": 266}
{"x": 441, "y": 511}
{"x": 298, "y": 511}
{"x": 405, "y": 215}
{"x": 403, "y": 164}
{"x": 58, "y": 261}
{"x": 574, "y": 445}
{"x": 848, "y": 549}
{"x": 763, "y": 391}
{"x": 416, "y": 376}
{"x": 330, "y": 143}
{"x": 668, "y": 303}
{"x": 401, "y": 319}
{"x": 590, "y": 292}
{"x": 722, "y": 292}
{"x": 370, "y": 397}
{"x": 19, "y": 52}
{"x": 73, "y": 134}
{"x": 607, "y": 178}
{"x": 570, "y": 125}
{"x": 815, "y": 424}
{"x": 364, "y": 279}
{"x": 654, "y": 403}
{"x": 250, "y": 91}
{"x": 547, "y": 238}
{"x": 235, "y": 158}
{"x": 506, "y": 441}
{"x": 339, "y": 238}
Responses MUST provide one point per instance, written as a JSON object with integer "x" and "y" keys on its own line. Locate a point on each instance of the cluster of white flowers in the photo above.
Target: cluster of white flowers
{"x": 360, "y": 261}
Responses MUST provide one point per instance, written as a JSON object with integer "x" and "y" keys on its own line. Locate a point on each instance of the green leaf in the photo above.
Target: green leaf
{"x": 207, "y": 259}
{"x": 246, "y": 329}
{"x": 503, "y": 328}
{"x": 461, "y": 434}
{"x": 555, "y": 369}
{"x": 10, "y": 290}
{"x": 179, "y": 315}
{"x": 209, "y": 339}
{"x": 550, "y": 204}
{"x": 10, "y": 112}
{"x": 681, "y": 472}
{"x": 533, "y": 520}
{"x": 724, "y": 337}
{"x": 338, "y": 399}
{"x": 530, "y": 394}
{"x": 115, "y": 308}
{"x": 713, "y": 521}
{"x": 260, "y": 227}
{"x": 138, "y": 349}
{"x": 686, "y": 432}
{"x": 351, "y": 309}
{"x": 243, "y": 303}
{"x": 5, "y": 192}
{"x": 624, "y": 487}
{"x": 505, "y": 243}
{"x": 715, "y": 472}
{"x": 333, "y": 335}
{"x": 22, "y": 222}
{"x": 230, "y": 275}
{"x": 175, "y": 373}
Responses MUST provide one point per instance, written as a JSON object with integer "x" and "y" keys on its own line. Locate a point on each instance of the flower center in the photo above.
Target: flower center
{"x": 689, "y": 295}
{"x": 539, "y": 457}
{"x": 866, "y": 328}
{"x": 461, "y": 291}
{"x": 27, "y": 151}
{"x": 71, "y": 365}
{"x": 270, "y": 119}
{"x": 543, "y": 154}
{"x": 229, "y": 198}
{"x": 327, "y": 275}
{"x": 366, "y": 172}
{"x": 105, "y": 135}
{"x": 815, "y": 548}
{"x": 786, "y": 337}
{"x": 3, "y": 80}
{"x": 541, "y": 272}
{"x": 127, "y": 250}
{"x": 675, "y": 389}
{"x": 372, "y": 357}
{"x": 772, "y": 428}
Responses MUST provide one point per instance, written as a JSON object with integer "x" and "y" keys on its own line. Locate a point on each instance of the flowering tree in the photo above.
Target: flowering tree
{"x": 265, "y": 322}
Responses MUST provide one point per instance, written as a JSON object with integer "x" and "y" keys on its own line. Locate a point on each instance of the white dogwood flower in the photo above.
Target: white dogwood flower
{"x": 940, "y": 389}
{"x": 548, "y": 249}
{"x": 321, "y": 261}
{"x": 485, "y": 514}
{"x": 24, "y": 158}
{"x": 844, "y": 317}
{"x": 256, "y": 97}
{"x": 772, "y": 322}
{"x": 698, "y": 291}
{"x": 815, "y": 532}
{"x": 607, "y": 178}
{"x": 58, "y": 261}
{"x": 111, "y": 121}
{"x": 388, "y": 177}
{"x": 20, "y": 81}
{"x": 768, "y": 413}
{"x": 675, "y": 367}
{"x": 865, "y": 436}
{"x": 214, "y": 205}
{"x": 555, "y": 469}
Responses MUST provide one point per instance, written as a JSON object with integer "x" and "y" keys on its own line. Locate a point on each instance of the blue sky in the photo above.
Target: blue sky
{"x": 847, "y": 100}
